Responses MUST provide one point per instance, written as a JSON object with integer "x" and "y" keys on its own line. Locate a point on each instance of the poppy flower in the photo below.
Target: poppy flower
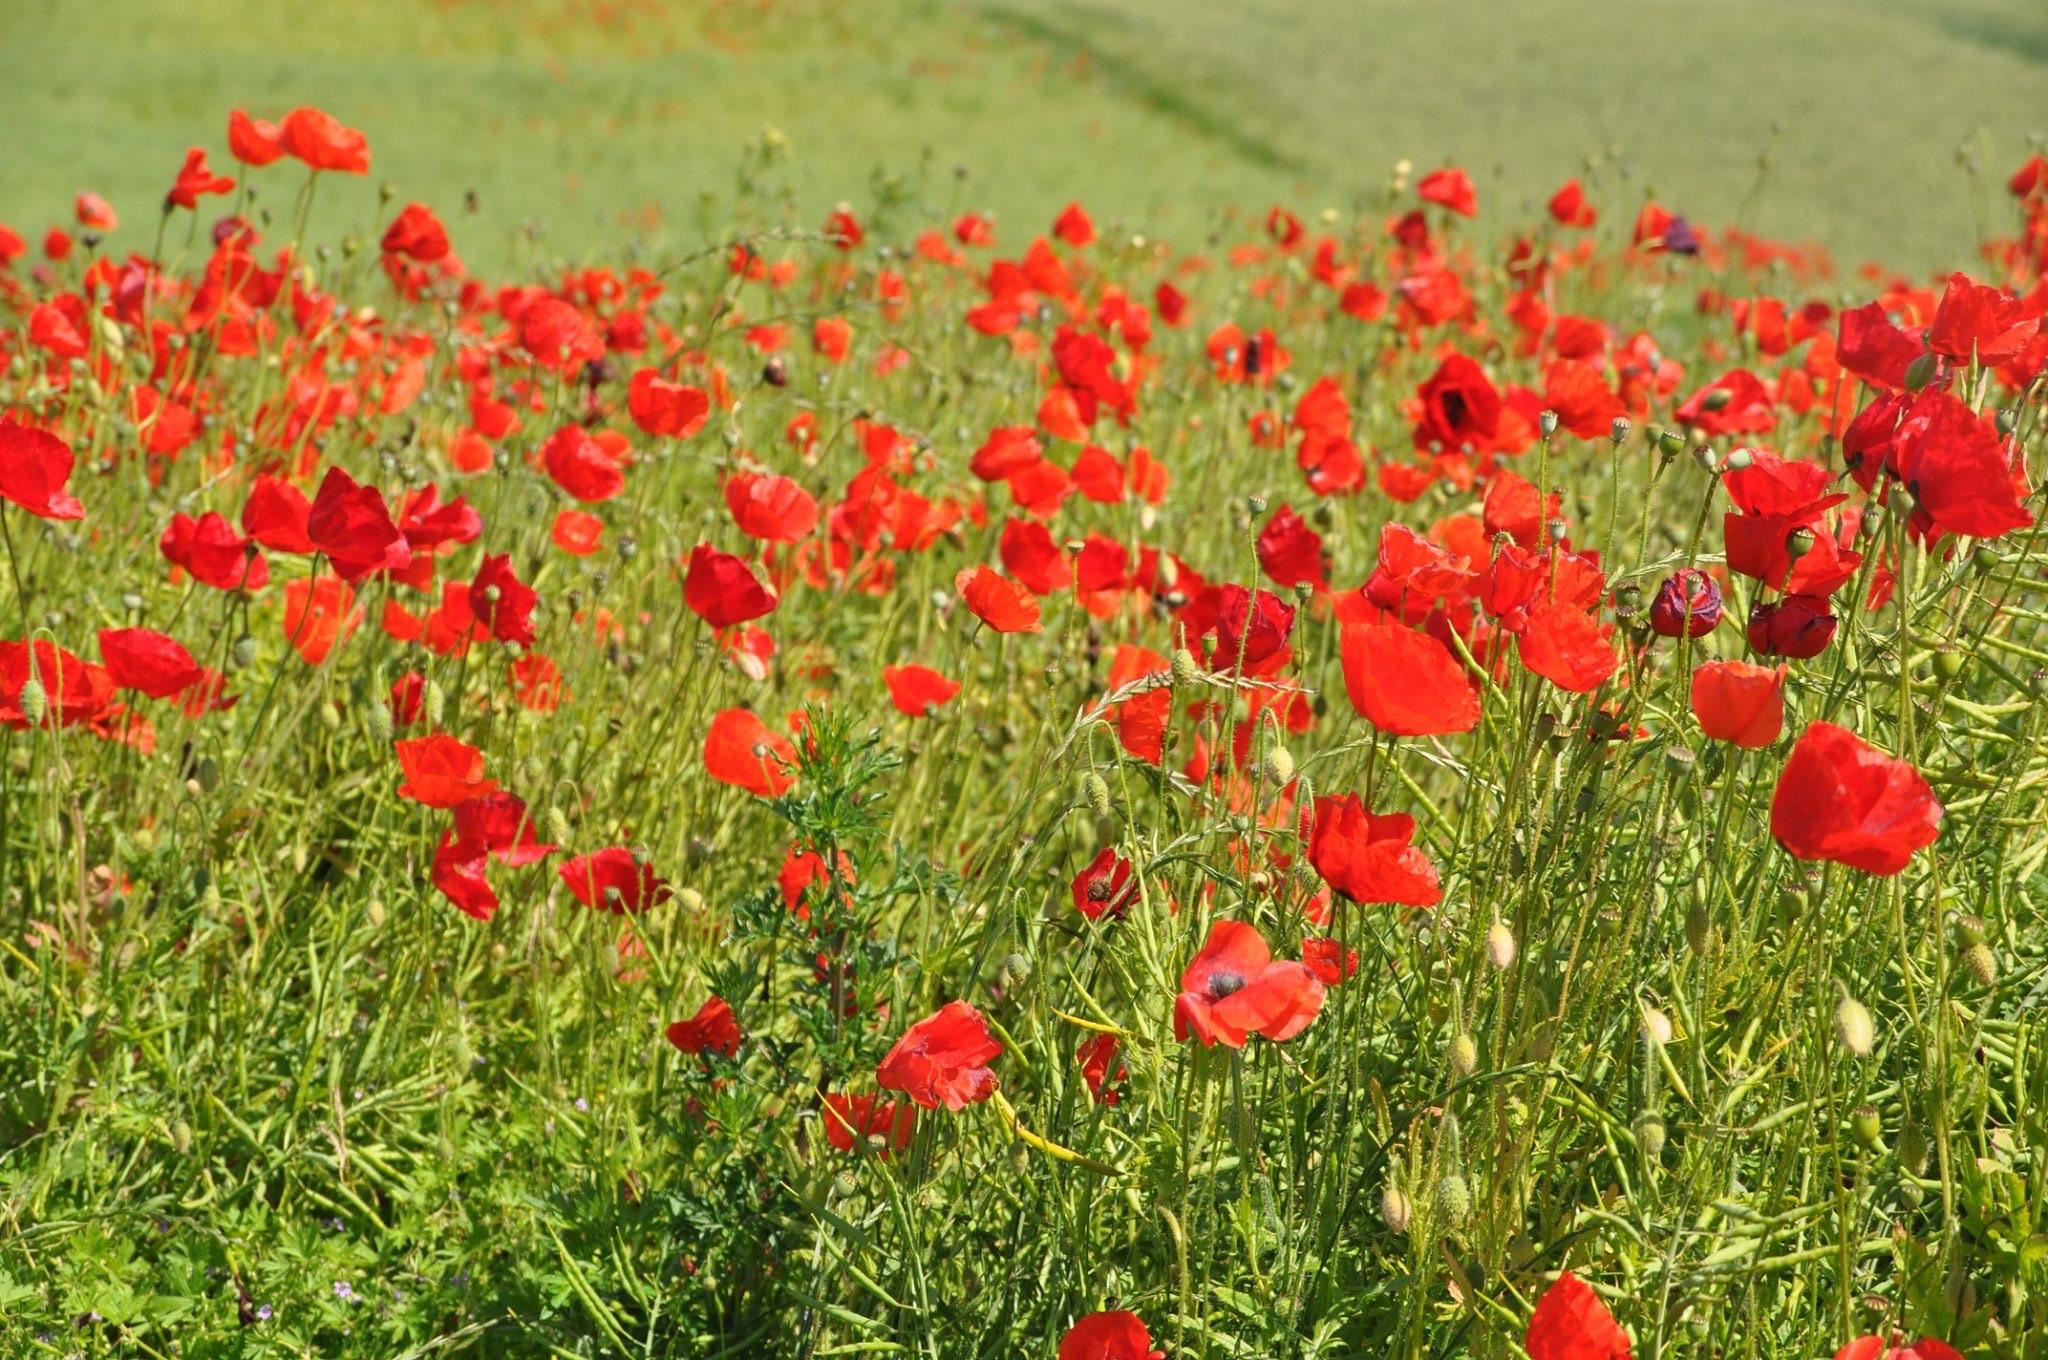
{"x": 35, "y": 467}
{"x": 1234, "y": 989}
{"x": 1737, "y": 702}
{"x": 1568, "y": 646}
{"x": 1251, "y": 627}
{"x": 1956, "y": 465}
{"x": 1367, "y": 857}
{"x": 918, "y": 691}
{"x": 1797, "y": 626}
{"x": 498, "y": 824}
{"x": 95, "y": 213}
{"x": 147, "y": 661}
{"x": 772, "y": 509}
{"x": 831, "y": 337}
{"x": 275, "y": 515}
{"x": 1977, "y": 323}
{"x": 1688, "y": 604}
{"x": 457, "y": 872}
{"x": 868, "y": 1123}
{"x": 577, "y": 532}
{"x": 323, "y": 142}
{"x": 713, "y": 1029}
{"x": 351, "y": 524}
{"x": 1450, "y": 188}
{"x": 997, "y": 601}
{"x": 319, "y": 611}
{"x": 441, "y": 771}
{"x": 1843, "y": 800}
{"x": 1329, "y": 960}
{"x": 1074, "y": 226}
{"x": 1570, "y": 1323}
{"x": 1100, "y": 1068}
{"x": 1406, "y": 683}
{"x": 1289, "y": 551}
{"x": 741, "y": 751}
{"x": 1104, "y": 886}
{"x": 1568, "y": 206}
{"x": 416, "y": 234}
{"x": 194, "y": 179}
{"x": 502, "y": 602}
{"x": 1736, "y": 403}
{"x": 580, "y": 466}
{"x": 613, "y": 879}
{"x": 722, "y": 590}
{"x": 668, "y": 409}
{"x": 943, "y": 1059}
{"x": 1459, "y": 406}
{"x": 253, "y": 141}
{"x": 1877, "y": 1348}
{"x": 75, "y": 691}
{"x": 1109, "y": 1336}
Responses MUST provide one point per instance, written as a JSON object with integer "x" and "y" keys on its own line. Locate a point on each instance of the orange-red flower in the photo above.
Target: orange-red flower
{"x": 1841, "y": 799}
{"x": 1234, "y": 989}
{"x": 943, "y": 1059}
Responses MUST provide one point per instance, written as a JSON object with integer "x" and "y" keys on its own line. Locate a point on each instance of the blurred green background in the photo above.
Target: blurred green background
{"x": 607, "y": 120}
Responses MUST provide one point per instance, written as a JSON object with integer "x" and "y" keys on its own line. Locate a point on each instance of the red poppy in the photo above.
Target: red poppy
{"x": 194, "y": 179}
{"x": 1843, "y": 800}
{"x": 499, "y": 825}
{"x": 869, "y": 1123}
{"x": 1329, "y": 960}
{"x": 918, "y": 691}
{"x": 1109, "y": 1336}
{"x": 722, "y": 589}
{"x": 580, "y": 466}
{"x": 147, "y": 661}
{"x": 997, "y": 601}
{"x": 669, "y": 409}
{"x": 1030, "y": 555}
{"x": 324, "y": 143}
{"x": 352, "y": 525}
{"x": 458, "y": 873}
{"x": 1981, "y": 324}
{"x": 577, "y": 532}
{"x": 1877, "y": 1348}
{"x": 74, "y": 690}
{"x": 502, "y": 602}
{"x": 1797, "y": 626}
{"x": 1367, "y": 857}
{"x": 741, "y": 751}
{"x": 1074, "y": 226}
{"x": 1737, "y": 702}
{"x": 35, "y": 467}
{"x": 211, "y": 551}
{"x": 94, "y": 212}
{"x": 1104, "y": 887}
{"x": 441, "y": 771}
{"x": 713, "y": 1029}
{"x": 1957, "y": 467}
{"x": 1736, "y": 403}
{"x": 613, "y": 879}
{"x": 1459, "y": 406}
{"x": 1406, "y": 683}
{"x": 1100, "y": 1068}
{"x": 772, "y": 509}
{"x": 1570, "y": 1323}
{"x": 1568, "y": 646}
{"x": 275, "y": 515}
{"x": 416, "y": 234}
{"x": 1290, "y": 552}
{"x": 943, "y": 1059}
{"x": 252, "y": 140}
{"x": 1569, "y": 208}
{"x": 1234, "y": 989}
{"x": 1451, "y": 188}
{"x": 831, "y": 337}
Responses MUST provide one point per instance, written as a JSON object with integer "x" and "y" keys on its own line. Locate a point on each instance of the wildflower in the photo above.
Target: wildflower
{"x": 943, "y": 1059}
{"x": 1234, "y": 989}
{"x": 1843, "y": 800}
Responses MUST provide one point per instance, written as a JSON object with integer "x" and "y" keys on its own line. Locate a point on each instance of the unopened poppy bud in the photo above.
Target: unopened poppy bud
{"x": 1656, "y": 1027}
{"x": 1280, "y": 767}
{"x": 206, "y": 774}
{"x": 1461, "y": 1055}
{"x": 1184, "y": 670}
{"x": 330, "y": 716}
{"x": 1395, "y": 1210}
{"x": 1500, "y": 946}
{"x": 243, "y": 652}
{"x": 374, "y": 908}
{"x": 1650, "y": 1134}
{"x": 1912, "y": 1147}
{"x": 1453, "y": 1198}
{"x": 1948, "y": 663}
{"x": 1921, "y": 371}
{"x": 558, "y": 826}
{"x": 434, "y": 702}
{"x": 1854, "y": 1027}
{"x": 1618, "y": 431}
{"x": 378, "y": 721}
{"x": 1095, "y": 792}
{"x": 1699, "y": 928}
{"x": 1865, "y": 1126}
{"x": 1738, "y": 459}
{"x": 34, "y": 701}
{"x": 1980, "y": 963}
{"x": 1903, "y": 501}
{"x": 1547, "y": 422}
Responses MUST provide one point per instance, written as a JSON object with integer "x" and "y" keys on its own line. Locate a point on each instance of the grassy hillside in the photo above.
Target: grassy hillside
{"x": 585, "y": 117}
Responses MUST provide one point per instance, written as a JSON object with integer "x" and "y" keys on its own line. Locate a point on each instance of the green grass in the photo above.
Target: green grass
{"x": 592, "y": 118}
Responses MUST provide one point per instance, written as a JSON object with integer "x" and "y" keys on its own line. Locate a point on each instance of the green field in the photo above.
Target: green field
{"x": 589, "y": 118}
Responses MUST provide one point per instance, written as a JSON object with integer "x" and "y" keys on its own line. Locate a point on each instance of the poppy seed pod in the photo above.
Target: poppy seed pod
{"x": 1618, "y": 431}
{"x": 1854, "y": 1027}
{"x": 1865, "y": 1126}
{"x": 1738, "y": 459}
{"x": 1547, "y": 422}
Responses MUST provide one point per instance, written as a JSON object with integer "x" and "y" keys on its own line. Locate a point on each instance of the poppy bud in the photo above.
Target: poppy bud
{"x": 1095, "y": 792}
{"x": 1395, "y": 1211}
{"x": 1699, "y": 929}
{"x": 34, "y": 701}
{"x": 206, "y": 774}
{"x": 1948, "y": 663}
{"x": 1650, "y": 1134}
{"x": 1618, "y": 431}
{"x": 1688, "y": 604}
{"x": 1738, "y": 459}
{"x": 1453, "y": 1198}
{"x": 1462, "y": 1055}
{"x": 1980, "y": 963}
{"x": 1984, "y": 559}
{"x": 775, "y": 372}
{"x": 1280, "y": 767}
{"x": 375, "y": 910}
{"x": 1184, "y": 669}
{"x": 1797, "y": 626}
{"x": 2006, "y": 421}
{"x": 434, "y": 702}
{"x": 1656, "y": 1027}
{"x": 1500, "y": 946}
{"x": 1912, "y": 1147}
{"x": 1865, "y": 1126}
{"x": 1547, "y": 422}
{"x": 1921, "y": 371}
{"x": 558, "y": 826}
{"x": 1854, "y": 1027}
{"x": 378, "y": 721}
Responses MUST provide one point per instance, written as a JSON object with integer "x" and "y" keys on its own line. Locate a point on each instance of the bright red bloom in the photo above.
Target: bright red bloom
{"x": 713, "y": 1029}
{"x": 1290, "y": 552}
{"x": 869, "y": 1123}
{"x": 1569, "y": 208}
{"x": 613, "y": 879}
{"x": 148, "y": 661}
{"x": 1451, "y": 188}
{"x": 1109, "y": 1336}
{"x": 212, "y": 552}
{"x": 1843, "y": 800}
{"x": 275, "y": 515}
{"x": 831, "y": 337}
{"x": 943, "y": 1059}
{"x": 1366, "y": 857}
{"x": 416, "y": 234}
{"x": 1074, "y": 226}
{"x": 1097, "y": 1057}
{"x": 918, "y": 691}
{"x": 1406, "y": 683}
{"x": 324, "y": 143}
{"x": 502, "y": 602}
{"x": 499, "y": 825}
{"x": 580, "y": 466}
{"x": 352, "y": 525}
{"x": 1323, "y": 955}
{"x": 1735, "y": 403}
{"x": 670, "y": 409}
{"x": 1234, "y": 989}
{"x": 194, "y": 179}
{"x": 94, "y": 212}
{"x": 740, "y": 750}
{"x": 722, "y": 590}
{"x": 1737, "y": 702}
{"x": 772, "y": 509}
{"x": 74, "y": 690}
{"x": 1980, "y": 323}
{"x": 1568, "y": 646}
{"x": 1104, "y": 887}
{"x": 35, "y": 467}
{"x": 1956, "y": 465}
{"x": 1877, "y": 1348}
{"x": 577, "y": 532}
{"x": 441, "y": 771}
{"x": 997, "y": 601}
{"x": 253, "y": 141}
{"x": 1460, "y": 407}
{"x": 319, "y": 611}
{"x": 1797, "y": 626}
{"x": 1570, "y": 1323}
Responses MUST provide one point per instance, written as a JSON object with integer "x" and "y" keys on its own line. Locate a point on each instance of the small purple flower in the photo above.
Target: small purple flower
{"x": 582, "y": 1104}
{"x": 263, "y": 1312}
{"x": 344, "y": 1291}
{"x": 1688, "y": 604}
{"x": 1680, "y": 238}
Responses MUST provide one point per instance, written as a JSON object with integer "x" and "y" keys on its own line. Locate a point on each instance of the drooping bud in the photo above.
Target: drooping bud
{"x": 1095, "y": 792}
{"x": 1500, "y": 946}
{"x": 1462, "y": 1055}
{"x": 1280, "y": 767}
{"x": 1650, "y": 1134}
{"x": 1921, "y": 371}
{"x": 1395, "y": 1210}
{"x": 1185, "y": 671}
{"x": 1854, "y": 1027}
{"x": 34, "y": 702}
{"x": 1453, "y": 1198}
{"x": 1656, "y": 1027}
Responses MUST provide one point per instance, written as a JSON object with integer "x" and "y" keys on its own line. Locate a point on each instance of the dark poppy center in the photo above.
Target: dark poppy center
{"x": 1454, "y": 409}
{"x": 1223, "y": 984}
